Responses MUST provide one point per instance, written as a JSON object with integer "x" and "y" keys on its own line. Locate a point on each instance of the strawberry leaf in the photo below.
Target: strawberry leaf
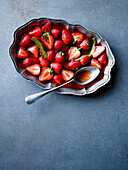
{"x": 61, "y": 53}
{"x": 51, "y": 70}
{"x": 89, "y": 45}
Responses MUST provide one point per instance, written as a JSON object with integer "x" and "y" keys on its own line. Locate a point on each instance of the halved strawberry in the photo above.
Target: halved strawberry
{"x": 58, "y": 79}
{"x": 25, "y": 41}
{"x": 67, "y": 75}
{"x": 74, "y": 52}
{"x": 85, "y": 45}
{"x": 46, "y": 74}
{"x": 50, "y": 55}
{"x": 34, "y": 51}
{"x": 85, "y": 60}
{"x": 47, "y": 27}
{"x": 98, "y": 51}
{"x": 67, "y": 37}
{"x": 56, "y": 67}
{"x": 103, "y": 59}
{"x": 95, "y": 63}
{"x": 30, "y": 61}
{"x": 72, "y": 65}
{"x": 43, "y": 62}
{"x": 48, "y": 40}
{"x": 36, "y": 32}
{"x": 59, "y": 58}
{"x": 34, "y": 69}
{"x": 56, "y": 33}
{"x": 22, "y": 53}
{"x": 78, "y": 37}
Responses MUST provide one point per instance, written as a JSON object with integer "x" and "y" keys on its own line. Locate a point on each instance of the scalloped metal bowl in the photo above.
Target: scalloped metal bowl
{"x": 41, "y": 21}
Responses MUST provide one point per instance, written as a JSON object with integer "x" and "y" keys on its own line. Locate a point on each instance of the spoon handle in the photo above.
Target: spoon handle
{"x": 32, "y": 98}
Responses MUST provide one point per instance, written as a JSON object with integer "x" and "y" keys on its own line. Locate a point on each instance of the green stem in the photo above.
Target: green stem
{"x": 39, "y": 45}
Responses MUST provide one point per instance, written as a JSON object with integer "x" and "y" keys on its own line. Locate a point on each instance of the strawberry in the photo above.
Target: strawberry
{"x": 59, "y": 58}
{"x": 98, "y": 51}
{"x": 95, "y": 63}
{"x": 85, "y": 60}
{"x": 67, "y": 75}
{"x": 58, "y": 79}
{"x": 74, "y": 53}
{"x": 59, "y": 46}
{"x": 34, "y": 51}
{"x": 25, "y": 41}
{"x": 78, "y": 37}
{"x": 38, "y": 38}
{"x": 56, "y": 67}
{"x": 103, "y": 59}
{"x": 48, "y": 40}
{"x": 43, "y": 62}
{"x": 36, "y": 32}
{"x": 72, "y": 65}
{"x": 50, "y": 55}
{"x": 56, "y": 33}
{"x": 22, "y": 53}
{"x": 67, "y": 37}
{"x": 34, "y": 69}
{"x": 47, "y": 27}
{"x": 85, "y": 45}
{"x": 30, "y": 61}
{"x": 46, "y": 74}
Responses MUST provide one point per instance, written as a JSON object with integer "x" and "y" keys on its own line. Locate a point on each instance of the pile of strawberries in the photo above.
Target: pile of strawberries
{"x": 54, "y": 53}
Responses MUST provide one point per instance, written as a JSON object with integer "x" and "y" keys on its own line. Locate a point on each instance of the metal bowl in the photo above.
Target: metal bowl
{"x": 41, "y": 21}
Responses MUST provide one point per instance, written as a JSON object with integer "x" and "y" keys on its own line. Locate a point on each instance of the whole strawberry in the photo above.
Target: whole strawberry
{"x": 67, "y": 37}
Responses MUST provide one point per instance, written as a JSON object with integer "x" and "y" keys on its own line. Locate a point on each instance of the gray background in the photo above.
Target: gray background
{"x": 63, "y": 131}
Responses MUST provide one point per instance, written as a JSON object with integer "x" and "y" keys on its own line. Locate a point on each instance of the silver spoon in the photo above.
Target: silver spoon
{"x": 94, "y": 72}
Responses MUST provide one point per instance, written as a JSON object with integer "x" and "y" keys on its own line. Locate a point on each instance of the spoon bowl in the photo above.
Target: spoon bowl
{"x": 86, "y": 74}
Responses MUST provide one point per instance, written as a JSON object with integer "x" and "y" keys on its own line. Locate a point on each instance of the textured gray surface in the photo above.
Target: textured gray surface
{"x": 63, "y": 131}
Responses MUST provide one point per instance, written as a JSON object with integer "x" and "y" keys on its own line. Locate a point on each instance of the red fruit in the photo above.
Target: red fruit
{"x": 47, "y": 27}
{"x": 46, "y": 74}
{"x": 30, "y": 61}
{"x": 59, "y": 58}
{"x": 78, "y": 37}
{"x": 38, "y": 38}
{"x": 56, "y": 33}
{"x": 98, "y": 51}
{"x": 67, "y": 37}
{"x": 36, "y": 32}
{"x": 95, "y": 63}
{"x": 67, "y": 75}
{"x": 59, "y": 46}
{"x": 43, "y": 62}
{"x": 22, "y": 53}
{"x": 58, "y": 79}
{"x": 34, "y": 69}
{"x": 72, "y": 65}
{"x": 48, "y": 41}
{"x": 50, "y": 55}
{"x": 85, "y": 45}
{"x": 25, "y": 41}
{"x": 74, "y": 53}
{"x": 34, "y": 51}
{"x": 85, "y": 60}
{"x": 56, "y": 67}
{"x": 103, "y": 59}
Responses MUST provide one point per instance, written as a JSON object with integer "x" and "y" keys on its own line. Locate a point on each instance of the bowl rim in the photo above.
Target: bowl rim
{"x": 96, "y": 86}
